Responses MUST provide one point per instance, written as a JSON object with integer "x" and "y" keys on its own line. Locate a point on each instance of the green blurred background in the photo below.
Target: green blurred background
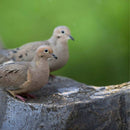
{"x": 100, "y": 53}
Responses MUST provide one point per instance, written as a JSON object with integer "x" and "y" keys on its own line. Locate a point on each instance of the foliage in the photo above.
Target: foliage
{"x": 99, "y": 54}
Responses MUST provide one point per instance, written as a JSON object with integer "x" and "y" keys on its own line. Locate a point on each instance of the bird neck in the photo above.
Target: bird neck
{"x": 52, "y": 40}
{"x": 39, "y": 61}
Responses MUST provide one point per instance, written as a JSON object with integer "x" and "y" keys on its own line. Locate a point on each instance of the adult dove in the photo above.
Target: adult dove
{"x": 58, "y": 42}
{"x": 23, "y": 77}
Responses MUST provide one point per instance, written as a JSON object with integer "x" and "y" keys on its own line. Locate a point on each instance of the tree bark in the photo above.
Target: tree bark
{"x": 65, "y": 104}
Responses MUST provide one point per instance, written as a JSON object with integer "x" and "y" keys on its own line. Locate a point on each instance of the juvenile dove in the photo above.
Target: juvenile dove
{"x": 58, "y": 42}
{"x": 23, "y": 77}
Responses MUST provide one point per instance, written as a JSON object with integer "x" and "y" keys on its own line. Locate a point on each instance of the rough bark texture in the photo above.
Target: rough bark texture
{"x": 65, "y": 104}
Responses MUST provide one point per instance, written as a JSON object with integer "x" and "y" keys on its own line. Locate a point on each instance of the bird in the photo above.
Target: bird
{"x": 58, "y": 42}
{"x": 20, "y": 78}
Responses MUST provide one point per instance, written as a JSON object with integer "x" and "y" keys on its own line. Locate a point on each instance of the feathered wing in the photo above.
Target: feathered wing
{"x": 23, "y": 53}
{"x": 27, "y": 51}
{"x": 13, "y": 75}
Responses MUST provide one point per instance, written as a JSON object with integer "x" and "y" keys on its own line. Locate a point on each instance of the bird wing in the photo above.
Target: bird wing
{"x": 27, "y": 51}
{"x": 13, "y": 74}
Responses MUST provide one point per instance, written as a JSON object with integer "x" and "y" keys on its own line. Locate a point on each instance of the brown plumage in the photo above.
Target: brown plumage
{"x": 23, "y": 77}
{"x": 58, "y": 42}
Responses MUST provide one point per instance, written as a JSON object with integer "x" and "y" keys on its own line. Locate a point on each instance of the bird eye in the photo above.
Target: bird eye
{"x": 46, "y": 50}
{"x": 62, "y": 31}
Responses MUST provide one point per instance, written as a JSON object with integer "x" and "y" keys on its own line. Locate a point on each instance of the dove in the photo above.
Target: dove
{"x": 58, "y": 42}
{"x": 23, "y": 77}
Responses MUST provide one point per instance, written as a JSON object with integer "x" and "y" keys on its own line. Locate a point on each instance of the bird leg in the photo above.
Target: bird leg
{"x": 27, "y": 95}
{"x": 21, "y": 98}
{"x": 16, "y": 95}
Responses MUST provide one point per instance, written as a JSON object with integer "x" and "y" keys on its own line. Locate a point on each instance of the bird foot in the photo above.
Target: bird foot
{"x": 27, "y": 95}
{"x": 16, "y": 95}
{"x": 20, "y": 97}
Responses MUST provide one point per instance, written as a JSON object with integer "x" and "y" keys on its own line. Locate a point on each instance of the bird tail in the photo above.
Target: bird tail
{"x": 4, "y": 55}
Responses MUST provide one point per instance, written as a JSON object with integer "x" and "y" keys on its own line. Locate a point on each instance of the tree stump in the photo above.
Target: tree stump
{"x": 65, "y": 104}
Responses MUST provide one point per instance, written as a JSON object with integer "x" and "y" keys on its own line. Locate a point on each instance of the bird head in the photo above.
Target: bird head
{"x": 45, "y": 52}
{"x": 62, "y": 33}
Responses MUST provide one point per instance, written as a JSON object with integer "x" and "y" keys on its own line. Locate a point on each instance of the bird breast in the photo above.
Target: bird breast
{"x": 39, "y": 77}
{"x": 61, "y": 51}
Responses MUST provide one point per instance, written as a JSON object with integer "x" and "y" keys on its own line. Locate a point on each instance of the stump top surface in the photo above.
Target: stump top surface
{"x": 64, "y": 91}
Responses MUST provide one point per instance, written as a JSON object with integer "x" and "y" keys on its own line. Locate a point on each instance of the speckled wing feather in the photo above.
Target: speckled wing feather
{"x": 26, "y": 52}
{"x": 13, "y": 75}
{"x": 23, "y": 53}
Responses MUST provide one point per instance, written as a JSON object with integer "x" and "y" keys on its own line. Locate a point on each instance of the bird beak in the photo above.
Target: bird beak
{"x": 71, "y": 37}
{"x": 54, "y": 56}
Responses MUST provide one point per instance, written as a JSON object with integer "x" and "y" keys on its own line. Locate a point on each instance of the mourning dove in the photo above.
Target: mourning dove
{"x": 58, "y": 42}
{"x": 23, "y": 77}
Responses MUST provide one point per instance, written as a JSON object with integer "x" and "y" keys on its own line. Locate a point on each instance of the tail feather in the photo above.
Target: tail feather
{"x": 4, "y": 55}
